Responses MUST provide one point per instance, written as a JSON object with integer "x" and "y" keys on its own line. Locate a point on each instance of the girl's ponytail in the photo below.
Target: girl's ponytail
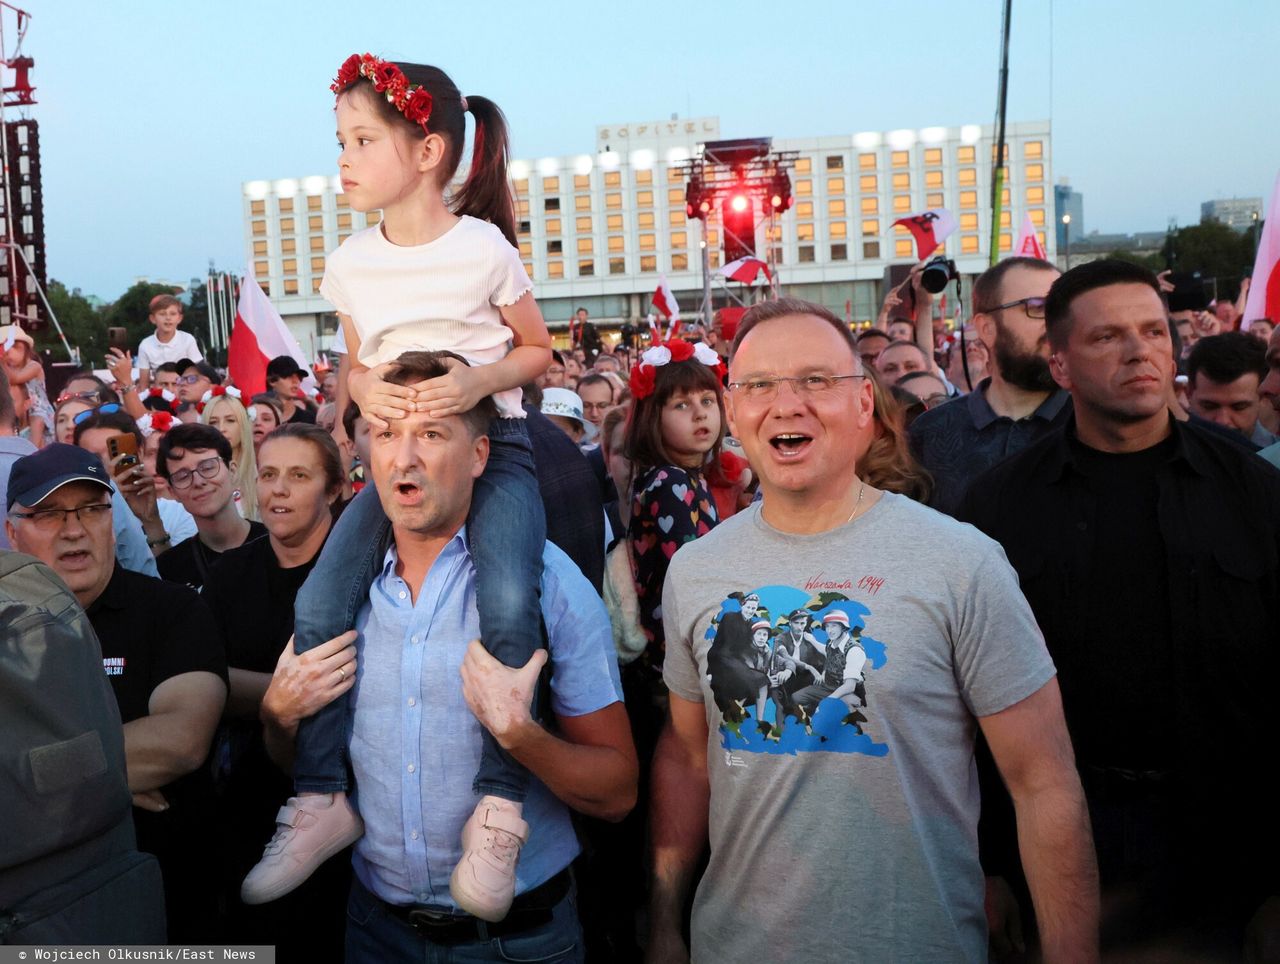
{"x": 486, "y": 193}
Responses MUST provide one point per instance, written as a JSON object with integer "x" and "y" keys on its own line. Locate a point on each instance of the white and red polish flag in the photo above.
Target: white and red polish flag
{"x": 258, "y": 335}
{"x": 929, "y": 228}
{"x": 1264, "y": 288}
{"x": 745, "y": 270}
{"x": 1028, "y": 245}
{"x": 665, "y": 300}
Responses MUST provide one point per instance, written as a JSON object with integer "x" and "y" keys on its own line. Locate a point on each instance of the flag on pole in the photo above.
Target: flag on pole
{"x": 745, "y": 270}
{"x": 258, "y": 335}
{"x": 655, "y": 332}
{"x": 665, "y": 300}
{"x": 929, "y": 228}
{"x": 1028, "y": 245}
{"x": 1264, "y": 289}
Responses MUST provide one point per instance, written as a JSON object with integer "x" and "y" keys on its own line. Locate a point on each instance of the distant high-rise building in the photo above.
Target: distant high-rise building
{"x": 1067, "y": 201}
{"x": 1239, "y": 213}
{"x": 598, "y": 230}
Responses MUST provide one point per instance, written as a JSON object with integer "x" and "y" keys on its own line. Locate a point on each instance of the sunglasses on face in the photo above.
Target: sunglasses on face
{"x": 189, "y": 379}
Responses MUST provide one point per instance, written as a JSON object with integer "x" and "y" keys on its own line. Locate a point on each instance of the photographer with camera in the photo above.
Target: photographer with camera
{"x": 911, "y": 302}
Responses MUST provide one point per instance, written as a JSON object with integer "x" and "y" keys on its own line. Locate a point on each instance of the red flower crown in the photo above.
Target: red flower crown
{"x": 645, "y": 373}
{"x": 412, "y": 100}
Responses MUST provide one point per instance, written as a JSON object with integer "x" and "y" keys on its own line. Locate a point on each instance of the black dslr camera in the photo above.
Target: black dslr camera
{"x": 938, "y": 273}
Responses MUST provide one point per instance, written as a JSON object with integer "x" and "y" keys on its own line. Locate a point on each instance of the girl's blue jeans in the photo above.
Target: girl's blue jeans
{"x": 506, "y": 532}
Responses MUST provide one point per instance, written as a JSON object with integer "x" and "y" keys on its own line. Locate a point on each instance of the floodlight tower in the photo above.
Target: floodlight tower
{"x": 22, "y": 266}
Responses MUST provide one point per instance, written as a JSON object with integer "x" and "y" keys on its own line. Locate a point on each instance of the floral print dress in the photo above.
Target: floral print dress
{"x": 670, "y": 506}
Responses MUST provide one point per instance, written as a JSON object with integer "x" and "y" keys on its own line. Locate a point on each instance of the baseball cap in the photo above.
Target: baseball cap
{"x": 282, "y": 366}
{"x": 203, "y": 367}
{"x": 37, "y": 476}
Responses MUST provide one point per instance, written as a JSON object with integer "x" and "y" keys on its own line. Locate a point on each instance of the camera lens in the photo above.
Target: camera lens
{"x": 934, "y": 278}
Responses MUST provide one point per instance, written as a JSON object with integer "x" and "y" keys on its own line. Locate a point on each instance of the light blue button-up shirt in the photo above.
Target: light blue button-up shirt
{"x": 415, "y": 746}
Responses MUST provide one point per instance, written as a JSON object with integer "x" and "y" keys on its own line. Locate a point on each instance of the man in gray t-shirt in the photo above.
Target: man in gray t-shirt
{"x": 841, "y": 801}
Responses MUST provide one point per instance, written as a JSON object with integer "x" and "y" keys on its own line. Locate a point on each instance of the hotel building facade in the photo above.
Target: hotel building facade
{"x": 598, "y": 229}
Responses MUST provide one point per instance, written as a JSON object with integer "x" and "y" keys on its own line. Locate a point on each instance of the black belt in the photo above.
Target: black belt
{"x": 531, "y": 909}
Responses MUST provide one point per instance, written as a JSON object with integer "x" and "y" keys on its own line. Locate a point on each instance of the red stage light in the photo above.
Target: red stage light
{"x": 739, "y": 202}
{"x": 705, "y": 207}
{"x": 776, "y": 201}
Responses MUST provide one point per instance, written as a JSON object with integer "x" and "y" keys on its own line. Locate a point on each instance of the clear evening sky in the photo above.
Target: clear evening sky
{"x": 153, "y": 113}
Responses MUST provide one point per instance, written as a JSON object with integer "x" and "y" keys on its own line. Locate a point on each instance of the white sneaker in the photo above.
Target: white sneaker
{"x": 484, "y": 882}
{"x": 310, "y": 828}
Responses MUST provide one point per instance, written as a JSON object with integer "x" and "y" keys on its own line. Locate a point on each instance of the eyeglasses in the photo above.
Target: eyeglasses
{"x": 208, "y": 469}
{"x": 765, "y": 387}
{"x": 50, "y": 520}
{"x": 106, "y": 409}
{"x": 1033, "y": 306}
{"x": 189, "y": 379}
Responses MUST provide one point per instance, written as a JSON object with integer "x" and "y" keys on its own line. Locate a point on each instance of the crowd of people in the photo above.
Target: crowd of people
{"x": 788, "y": 640}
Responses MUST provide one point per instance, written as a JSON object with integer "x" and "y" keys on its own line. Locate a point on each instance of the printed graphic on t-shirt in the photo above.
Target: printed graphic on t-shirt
{"x": 113, "y": 665}
{"x": 788, "y": 672}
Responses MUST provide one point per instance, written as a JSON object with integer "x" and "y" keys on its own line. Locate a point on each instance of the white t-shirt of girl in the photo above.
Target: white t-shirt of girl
{"x": 445, "y": 294}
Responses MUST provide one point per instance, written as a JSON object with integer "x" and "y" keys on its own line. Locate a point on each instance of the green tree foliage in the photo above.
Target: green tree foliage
{"x": 80, "y": 321}
{"x": 1218, "y": 252}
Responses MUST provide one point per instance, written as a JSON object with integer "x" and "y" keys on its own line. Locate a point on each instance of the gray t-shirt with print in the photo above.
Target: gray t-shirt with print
{"x": 846, "y": 831}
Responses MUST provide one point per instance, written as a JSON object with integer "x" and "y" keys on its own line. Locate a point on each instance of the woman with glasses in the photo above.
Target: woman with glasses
{"x": 251, "y": 591}
{"x": 231, "y": 418}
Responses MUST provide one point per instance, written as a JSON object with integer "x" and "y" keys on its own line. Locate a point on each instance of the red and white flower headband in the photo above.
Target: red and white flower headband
{"x": 155, "y": 422}
{"x": 217, "y": 392}
{"x": 676, "y": 350}
{"x": 412, "y": 100}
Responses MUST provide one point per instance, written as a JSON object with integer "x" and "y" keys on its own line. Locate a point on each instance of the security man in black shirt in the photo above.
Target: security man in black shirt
{"x": 1149, "y": 550}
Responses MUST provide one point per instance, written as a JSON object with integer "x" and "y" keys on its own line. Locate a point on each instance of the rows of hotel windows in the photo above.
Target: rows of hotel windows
{"x": 305, "y": 228}
{"x": 681, "y": 237}
{"x": 566, "y": 197}
{"x": 301, "y": 231}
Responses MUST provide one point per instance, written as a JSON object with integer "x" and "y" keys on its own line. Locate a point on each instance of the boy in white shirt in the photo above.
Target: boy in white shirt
{"x": 167, "y": 344}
